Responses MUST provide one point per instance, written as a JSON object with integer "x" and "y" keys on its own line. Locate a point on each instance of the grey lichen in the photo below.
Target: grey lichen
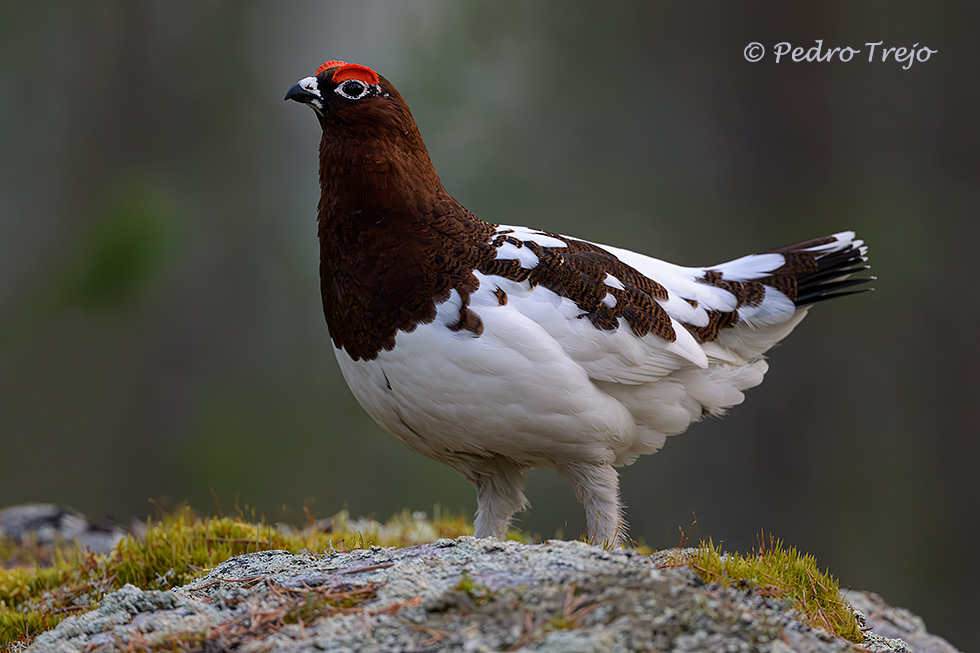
{"x": 465, "y": 594}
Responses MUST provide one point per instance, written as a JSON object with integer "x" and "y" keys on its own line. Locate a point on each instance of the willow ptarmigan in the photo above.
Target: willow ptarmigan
{"x": 496, "y": 349}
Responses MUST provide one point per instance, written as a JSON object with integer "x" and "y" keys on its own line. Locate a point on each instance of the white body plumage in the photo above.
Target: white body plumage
{"x": 542, "y": 387}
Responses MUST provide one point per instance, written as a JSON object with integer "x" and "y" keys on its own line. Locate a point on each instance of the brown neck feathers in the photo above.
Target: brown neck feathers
{"x": 393, "y": 242}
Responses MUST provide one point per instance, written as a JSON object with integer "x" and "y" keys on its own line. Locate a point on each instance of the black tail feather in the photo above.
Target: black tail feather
{"x": 829, "y": 275}
{"x": 832, "y": 276}
{"x": 825, "y": 291}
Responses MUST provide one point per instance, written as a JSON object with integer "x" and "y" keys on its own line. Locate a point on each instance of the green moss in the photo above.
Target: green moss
{"x": 39, "y": 587}
{"x": 783, "y": 572}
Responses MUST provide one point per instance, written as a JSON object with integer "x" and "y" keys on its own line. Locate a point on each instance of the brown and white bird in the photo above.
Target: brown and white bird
{"x": 496, "y": 349}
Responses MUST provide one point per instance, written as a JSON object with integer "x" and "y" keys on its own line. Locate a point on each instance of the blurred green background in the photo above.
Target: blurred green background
{"x": 161, "y": 335}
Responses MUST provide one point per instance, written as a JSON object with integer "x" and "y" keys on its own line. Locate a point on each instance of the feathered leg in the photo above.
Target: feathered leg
{"x": 499, "y": 494}
{"x": 597, "y": 487}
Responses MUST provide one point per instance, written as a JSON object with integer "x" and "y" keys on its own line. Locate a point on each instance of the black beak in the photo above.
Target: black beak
{"x": 300, "y": 94}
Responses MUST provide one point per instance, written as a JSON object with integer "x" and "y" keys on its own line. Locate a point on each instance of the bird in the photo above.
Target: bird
{"x": 497, "y": 349}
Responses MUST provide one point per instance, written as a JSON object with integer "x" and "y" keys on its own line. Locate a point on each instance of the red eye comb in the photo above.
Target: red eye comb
{"x": 346, "y": 71}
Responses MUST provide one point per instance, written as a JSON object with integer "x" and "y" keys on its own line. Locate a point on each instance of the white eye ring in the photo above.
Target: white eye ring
{"x": 352, "y": 89}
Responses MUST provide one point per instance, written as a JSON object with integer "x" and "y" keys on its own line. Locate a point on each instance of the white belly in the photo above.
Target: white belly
{"x": 512, "y": 391}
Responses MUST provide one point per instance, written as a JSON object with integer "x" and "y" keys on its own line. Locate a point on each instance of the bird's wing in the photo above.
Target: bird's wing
{"x": 612, "y": 320}
{"x": 671, "y": 344}
{"x": 632, "y": 319}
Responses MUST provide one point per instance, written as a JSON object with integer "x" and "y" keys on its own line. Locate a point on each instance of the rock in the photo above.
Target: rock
{"x": 49, "y": 524}
{"x": 464, "y": 594}
{"x": 890, "y": 622}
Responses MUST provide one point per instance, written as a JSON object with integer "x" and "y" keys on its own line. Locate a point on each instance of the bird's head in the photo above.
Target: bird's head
{"x": 349, "y": 97}
{"x": 371, "y": 153}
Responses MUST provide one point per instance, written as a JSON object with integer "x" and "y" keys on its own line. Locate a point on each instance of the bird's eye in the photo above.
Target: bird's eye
{"x": 352, "y": 89}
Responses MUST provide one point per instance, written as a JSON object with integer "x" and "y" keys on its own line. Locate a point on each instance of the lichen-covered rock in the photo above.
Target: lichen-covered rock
{"x": 893, "y": 624}
{"x": 463, "y": 594}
